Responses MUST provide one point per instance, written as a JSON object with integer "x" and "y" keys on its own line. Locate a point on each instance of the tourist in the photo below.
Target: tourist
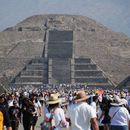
{"x": 4, "y": 116}
{"x": 27, "y": 110}
{"x": 120, "y": 117}
{"x": 15, "y": 115}
{"x": 58, "y": 115}
{"x": 82, "y": 116}
{"x": 38, "y": 109}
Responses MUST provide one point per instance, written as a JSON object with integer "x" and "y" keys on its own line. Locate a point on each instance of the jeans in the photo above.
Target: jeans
{"x": 117, "y": 127}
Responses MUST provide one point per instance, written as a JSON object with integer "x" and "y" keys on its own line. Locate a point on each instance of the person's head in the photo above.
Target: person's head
{"x": 2, "y": 99}
{"x": 33, "y": 96}
{"x": 2, "y": 94}
{"x": 95, "y": 98}
{"x": 11, "y": 96}
{"x": 28, "y": 102}
{"x": 15, "y": 103}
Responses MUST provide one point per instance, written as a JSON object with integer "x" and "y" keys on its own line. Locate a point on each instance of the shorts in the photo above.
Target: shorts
{"x": 34, "y": 120}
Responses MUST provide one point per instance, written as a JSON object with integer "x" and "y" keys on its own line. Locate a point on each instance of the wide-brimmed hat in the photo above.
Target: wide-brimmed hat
{"x": 118, "y": 101}
{"x": 53, "y": 99}
{"x": 81, "y": 96}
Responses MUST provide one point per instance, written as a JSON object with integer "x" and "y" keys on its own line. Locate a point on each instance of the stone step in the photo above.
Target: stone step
{"x": 60, "y": 50}
{"x": 81, "y": 73}
{"x": 30, "y": 76}
{"x": 99, "y": 85}
{"x": 85, "y": 66}
{"x": 34, "y": 73}
{"x": 91, "y": 79}
{"x": 82, "y": 60}
{"x": 36, "y": 67}
{"x": 55, "y": 35}
{"x": 31, "y": 70}
{"x": 39, "y": 60}
{"x": 61, "y": 71}
{"x": 35, "y": 84}
{"x": 37, "y": 64}
{"x": 128, "y": 83}
{"x": 29, "y": 79}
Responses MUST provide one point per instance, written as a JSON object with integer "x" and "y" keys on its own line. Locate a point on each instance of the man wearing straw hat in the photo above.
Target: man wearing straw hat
{"x": 82, "y": 116}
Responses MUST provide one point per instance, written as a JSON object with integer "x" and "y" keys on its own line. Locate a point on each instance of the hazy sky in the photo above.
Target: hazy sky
{"x": 114, "y": 14}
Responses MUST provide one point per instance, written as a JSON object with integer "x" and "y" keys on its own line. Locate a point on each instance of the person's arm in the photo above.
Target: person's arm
{"x": 129, "y": 125}
{"x": 94, "y": 123}
{"x": 39, "y": 108}
{"x": 8, "y": 128}
{"x": 67, "y": 116}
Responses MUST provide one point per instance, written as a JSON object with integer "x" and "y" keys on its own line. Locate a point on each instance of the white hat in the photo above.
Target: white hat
{"x": 118, "y": 101}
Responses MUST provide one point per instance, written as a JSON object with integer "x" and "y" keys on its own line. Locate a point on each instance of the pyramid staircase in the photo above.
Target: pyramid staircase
{"x": 35, "y": 73}
{"x": 86, "y": 71}
{"x": 58, "y": 64}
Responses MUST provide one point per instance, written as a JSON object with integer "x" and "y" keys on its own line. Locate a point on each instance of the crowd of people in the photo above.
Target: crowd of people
{"x": 72, "y": 107}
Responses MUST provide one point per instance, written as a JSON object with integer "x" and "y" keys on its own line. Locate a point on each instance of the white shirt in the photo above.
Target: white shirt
{"x": 59, "y": 116}
{"x": 125, "y": 101}
{"x": 100, "y": 116}
{"x": 121, "y": 118}
{"x": 10, "y": 103}
{"x": 80, "y": 115}
{"x": 93, "y": 104}
{"x": 37, "y": 105}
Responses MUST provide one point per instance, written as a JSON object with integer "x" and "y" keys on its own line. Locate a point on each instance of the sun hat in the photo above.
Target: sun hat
{"x": 53, "y": 99}
{"x": 81, "y": 96}
{"x": 118, "y": 101}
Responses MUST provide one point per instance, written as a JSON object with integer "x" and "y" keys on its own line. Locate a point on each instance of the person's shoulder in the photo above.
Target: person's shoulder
{"x": 58, "y": 110}
{"x": 86, "y": 106}
{"x": 93, "y": 103}
{"x": 124, "y": 109}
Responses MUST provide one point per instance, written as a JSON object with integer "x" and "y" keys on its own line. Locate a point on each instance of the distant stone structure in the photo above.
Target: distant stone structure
{"x": 59, "y": 65}
{"x": 125, "y": 84}
{"x": 92, "y": 53}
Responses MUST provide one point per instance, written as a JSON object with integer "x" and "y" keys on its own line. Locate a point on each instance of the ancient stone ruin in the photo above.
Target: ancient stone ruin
{"x": 53, "y": 49}
{"x": 58, "y": 64}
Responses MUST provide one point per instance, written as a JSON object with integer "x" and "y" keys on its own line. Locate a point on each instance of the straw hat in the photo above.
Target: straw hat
{"x": 118, "y": 101}
{"x": 53, "y": 99}
{"x": 81, "y": 96}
